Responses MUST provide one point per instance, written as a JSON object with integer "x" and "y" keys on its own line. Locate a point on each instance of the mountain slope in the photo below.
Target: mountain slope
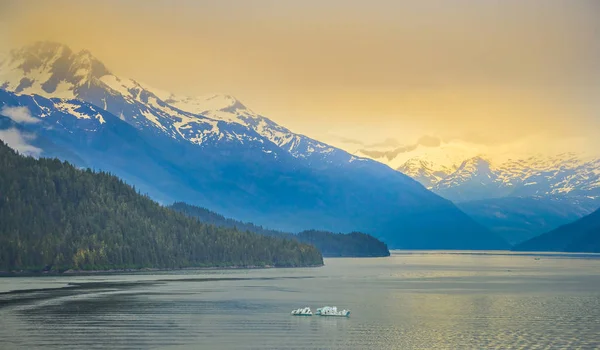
{"x": 229, "y": 159}
{"x": 330, "y": 244}
{"x": 517, "y": 219}
{"x": 55, "y": 217}
{"x": 582, "y": 235}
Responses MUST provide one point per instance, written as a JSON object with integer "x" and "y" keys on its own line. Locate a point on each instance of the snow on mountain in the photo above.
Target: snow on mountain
{"x": 67, "y": 116}
{"x": 229, "y": 109}
{"x": 424, "y": 171}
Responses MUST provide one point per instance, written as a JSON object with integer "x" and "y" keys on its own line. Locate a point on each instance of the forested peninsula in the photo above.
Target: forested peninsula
{"x": 355, "y": 244}
{"x": 55, "y": 218}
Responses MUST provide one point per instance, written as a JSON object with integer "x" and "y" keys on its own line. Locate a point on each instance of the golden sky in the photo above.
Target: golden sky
{"x": 499, "y": 69}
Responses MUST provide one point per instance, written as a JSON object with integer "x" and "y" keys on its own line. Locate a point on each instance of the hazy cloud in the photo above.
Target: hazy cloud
{"x": 19, "y": 114}
{"x": 389, "y": 142}
{"x": 429, "y": 141}
{"x": 350, "y": 141}
{"x": 20, "y": 142}
{"x": 385, "y": 68}
{"x": 425, "y": 141}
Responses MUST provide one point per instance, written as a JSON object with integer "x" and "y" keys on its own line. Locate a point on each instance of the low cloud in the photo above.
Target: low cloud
{"x": 425, "y": 141}
{"x": 350, "y": 141}
{"x": 387, "y": 143}
{"x": 19, "y": 114}
{"x": 20, "y": 142}
{"x": 429, "y": 141}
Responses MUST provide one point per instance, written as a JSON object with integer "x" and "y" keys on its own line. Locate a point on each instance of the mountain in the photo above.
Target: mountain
{"x": 330, "y": 244}
{"x": 216, "y": 153}
{"x": 466, "y": 171}
{"x": 54, "y": 217}
{"x": 582, "y": 235}
{"x": 562, "y": 174}
{"x": 517, "y": 219}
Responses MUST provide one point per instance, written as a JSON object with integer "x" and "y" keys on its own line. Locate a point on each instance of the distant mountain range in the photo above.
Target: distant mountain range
{"x": 582, "y": 235}
{"x": 463, "y": 172}
{"x": 514, "y": 192}
{"x": 216, "y": 153}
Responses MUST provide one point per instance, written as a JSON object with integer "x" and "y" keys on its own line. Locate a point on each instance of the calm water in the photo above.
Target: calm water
{"x": 407, "y": 301}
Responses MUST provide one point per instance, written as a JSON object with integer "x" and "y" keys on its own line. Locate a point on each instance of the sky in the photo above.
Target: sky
{"x": 487, "y": 70}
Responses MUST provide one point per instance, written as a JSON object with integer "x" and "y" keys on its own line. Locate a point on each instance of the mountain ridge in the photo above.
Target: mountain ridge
{"x": 582, "y": 236}
{"x": 518, "y": 219}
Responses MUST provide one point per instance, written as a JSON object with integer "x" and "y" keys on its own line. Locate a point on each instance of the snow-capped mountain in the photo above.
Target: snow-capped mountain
{"x": 463, "y": 171}
{"x": 563, "y": 174}
{"x": 216, "y": 153}
{"x": 53, "y": 70}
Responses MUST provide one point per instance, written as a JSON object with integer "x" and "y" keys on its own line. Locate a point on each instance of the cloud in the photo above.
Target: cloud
{"x": 389, "y": 142}
{"x": 429, "y": 141}
{"x": 425, "y": 141}
{"x": 19, "y": 114}
{"x": 19, "y": 142}
{"x": 350, "y": 140}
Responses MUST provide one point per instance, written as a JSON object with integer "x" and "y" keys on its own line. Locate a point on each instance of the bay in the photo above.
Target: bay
{"x": 411, "y": 300}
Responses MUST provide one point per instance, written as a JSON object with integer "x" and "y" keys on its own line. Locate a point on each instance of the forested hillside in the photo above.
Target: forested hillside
{"x": 56, "y": 217}
{"x": 330, "y": 244}
{"x": 355, "y": 244}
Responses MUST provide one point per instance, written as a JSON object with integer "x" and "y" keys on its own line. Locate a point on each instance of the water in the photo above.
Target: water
{"x": 408, "y": 301}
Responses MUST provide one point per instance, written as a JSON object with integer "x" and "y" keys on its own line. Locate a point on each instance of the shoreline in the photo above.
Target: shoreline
{"x": 140, "y": 270}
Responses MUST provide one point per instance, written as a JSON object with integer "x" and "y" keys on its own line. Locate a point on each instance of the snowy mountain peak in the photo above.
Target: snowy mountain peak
{"x": 49, "y": 69}
{"x": 477, "y": 163}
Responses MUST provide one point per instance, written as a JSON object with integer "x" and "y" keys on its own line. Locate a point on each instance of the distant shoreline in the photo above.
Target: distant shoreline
{"x": 494, "y": 252}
